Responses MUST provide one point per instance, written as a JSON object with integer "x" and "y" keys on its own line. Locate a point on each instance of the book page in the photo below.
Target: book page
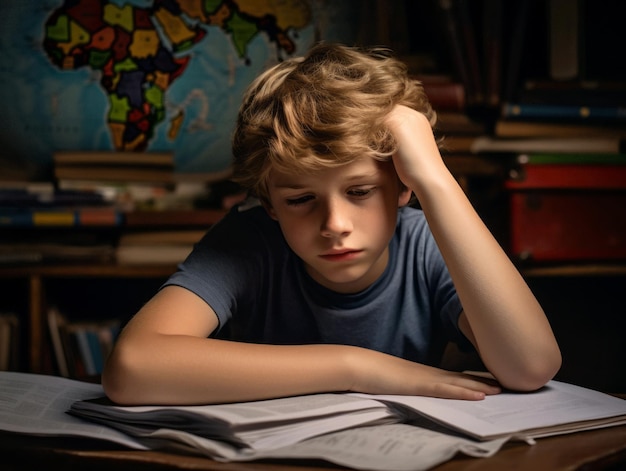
{"x": 239, "y": 414}
{"x": 37, "y": 404}
{"x": 257, "y": 424}
{"x": 394, "y": 447}
{"x": 523, "y": 415}
{"x": 389, "y": 447}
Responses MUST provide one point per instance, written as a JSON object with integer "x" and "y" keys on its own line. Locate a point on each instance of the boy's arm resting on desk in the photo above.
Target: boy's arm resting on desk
{"x": 165, "y": 358}
{"x": 501, "y": 316}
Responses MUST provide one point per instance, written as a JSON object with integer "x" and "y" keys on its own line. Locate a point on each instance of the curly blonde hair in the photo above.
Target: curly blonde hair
{"x": 318, "y": 111}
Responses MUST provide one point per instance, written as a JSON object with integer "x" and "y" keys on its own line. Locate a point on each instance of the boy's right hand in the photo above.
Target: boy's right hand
{"x": 379, "y": 373}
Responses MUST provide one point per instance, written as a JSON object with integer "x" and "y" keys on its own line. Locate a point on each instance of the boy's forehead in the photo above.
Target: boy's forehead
{"x": 360, "y": 169}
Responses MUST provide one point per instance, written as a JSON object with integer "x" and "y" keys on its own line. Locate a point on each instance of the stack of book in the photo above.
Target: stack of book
{"x": 163, "y": 247}
{"x": 154, "y": 167}
{"x": 133, "y": 181}
{"x": 33, "y": 213}
{"x": 81, "y": 347}
{"x": 571, "y": 89}
{"x": 454, "y": 124}
{"x": 26, "y": 204}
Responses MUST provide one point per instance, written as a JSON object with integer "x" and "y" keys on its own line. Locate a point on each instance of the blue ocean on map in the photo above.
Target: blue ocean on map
{"x": 74, "y": 77}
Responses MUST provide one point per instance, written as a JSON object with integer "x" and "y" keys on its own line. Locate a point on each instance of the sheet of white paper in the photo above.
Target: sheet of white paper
{"x": 240, "y": 414}
{"x": 261, "y": 438}
{"x": 394, "y": 447}
{"x": 391, "y": 447}
{"x": 296, "y": 432}
{"x": 37, "y": 405}
{"x": 517, "y": 414}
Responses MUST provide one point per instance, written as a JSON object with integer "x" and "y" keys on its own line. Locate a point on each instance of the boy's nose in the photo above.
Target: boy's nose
{"x": 335, "y": 221}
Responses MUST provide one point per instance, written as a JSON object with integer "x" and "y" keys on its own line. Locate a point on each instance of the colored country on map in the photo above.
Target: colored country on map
{"x": 139, "y": 52}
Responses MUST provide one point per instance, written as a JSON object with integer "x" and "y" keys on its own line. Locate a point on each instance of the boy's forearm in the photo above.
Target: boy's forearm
{"x": 504, "y": 319}
{"x": 191, "y": 370}
{"x": 509, "y": 326}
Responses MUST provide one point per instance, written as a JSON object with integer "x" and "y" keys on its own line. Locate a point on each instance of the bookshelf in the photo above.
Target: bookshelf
{"x": 36, "y": 282}
{"x": 34, "y": 287}
{"x": 551, "y": 85}
{"x": 510, "y": 53}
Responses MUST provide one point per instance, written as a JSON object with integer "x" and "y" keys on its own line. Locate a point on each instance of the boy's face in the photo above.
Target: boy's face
{"x": 339, "y": 221}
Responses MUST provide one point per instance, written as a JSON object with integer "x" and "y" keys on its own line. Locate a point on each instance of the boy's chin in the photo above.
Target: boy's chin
{"x": 345, "y": 283}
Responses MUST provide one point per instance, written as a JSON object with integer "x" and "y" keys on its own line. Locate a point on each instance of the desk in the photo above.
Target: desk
{"x": 603, "y": 449}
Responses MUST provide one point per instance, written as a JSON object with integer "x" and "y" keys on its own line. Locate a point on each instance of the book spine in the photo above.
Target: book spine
{"x": 95, "y": 348}
{"x": 577, "y": 159}
{"x": 545, "y": 111}
{"x": 27, "y": 217}
{"x": 106, "y": 337}
{"x": 56, "y": 322}
{"x": 573, "y": 145}
{"x": 113, "y": 158}
{"x": 85, "y": 351}
{"x": 564, "y": 39}
{"x": 529, "y": 128}
{"x": 445, "y": 96}
{"x": 570, "y": 176}
{"x": 455, "y": 42}
{"x": 148, "y": 174}
{"x": 98, "y": 217}
{"x": 59, "y": 198}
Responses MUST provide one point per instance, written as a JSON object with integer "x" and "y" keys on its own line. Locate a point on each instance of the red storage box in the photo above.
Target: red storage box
{"x": 568, "y": 212}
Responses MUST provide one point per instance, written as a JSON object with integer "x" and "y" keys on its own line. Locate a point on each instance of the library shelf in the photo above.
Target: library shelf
{"x": 35, "y": 278}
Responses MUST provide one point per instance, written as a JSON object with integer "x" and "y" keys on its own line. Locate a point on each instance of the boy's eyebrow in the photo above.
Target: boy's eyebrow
{"x": 298, "y": 186}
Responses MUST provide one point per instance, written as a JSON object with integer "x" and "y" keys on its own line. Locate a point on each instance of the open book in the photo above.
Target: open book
{"x": 348, "y": 429}
{"x": 258, "y": 425}
{"x": 555, "y": 409}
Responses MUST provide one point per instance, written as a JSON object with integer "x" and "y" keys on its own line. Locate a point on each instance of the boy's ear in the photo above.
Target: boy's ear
{"x": 269, "y": 209}
{"x": 404, "y": 197}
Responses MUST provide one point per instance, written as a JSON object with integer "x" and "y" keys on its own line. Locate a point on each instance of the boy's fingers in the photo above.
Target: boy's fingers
{"x": 452, "y": 391}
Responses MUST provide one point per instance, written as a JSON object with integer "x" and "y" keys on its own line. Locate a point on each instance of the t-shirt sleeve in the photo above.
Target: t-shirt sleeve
{"x": 222, "y": 266}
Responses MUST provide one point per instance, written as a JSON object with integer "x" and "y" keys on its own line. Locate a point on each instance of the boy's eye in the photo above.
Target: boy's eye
{"x": 299, "y": 200}
{"x": 361, "y": 192}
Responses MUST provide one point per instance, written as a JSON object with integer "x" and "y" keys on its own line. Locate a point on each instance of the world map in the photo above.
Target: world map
{"x": 143, "y": 75}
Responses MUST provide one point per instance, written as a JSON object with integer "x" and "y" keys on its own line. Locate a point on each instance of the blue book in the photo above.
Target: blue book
{"x": 85, "y": 351}
{"x": 95, "y": 348}
{"x": 568, "y": 112}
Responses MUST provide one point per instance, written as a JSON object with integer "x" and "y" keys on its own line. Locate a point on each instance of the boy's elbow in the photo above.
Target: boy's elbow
{"x": 535, "y": 374}
{"x": 119, "y": 377}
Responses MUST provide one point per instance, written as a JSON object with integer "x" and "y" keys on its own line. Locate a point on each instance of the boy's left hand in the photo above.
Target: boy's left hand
{"x": 417, "y": 156}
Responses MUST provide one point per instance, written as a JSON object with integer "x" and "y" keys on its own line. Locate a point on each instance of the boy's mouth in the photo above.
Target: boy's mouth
{"x": 340, "y": 255}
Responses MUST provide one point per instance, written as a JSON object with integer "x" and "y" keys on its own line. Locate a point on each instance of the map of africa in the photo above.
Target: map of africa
{"x": 143, "y": 75}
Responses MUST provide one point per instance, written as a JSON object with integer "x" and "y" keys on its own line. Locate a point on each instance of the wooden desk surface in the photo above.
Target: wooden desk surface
{"x": 603, "y": 449}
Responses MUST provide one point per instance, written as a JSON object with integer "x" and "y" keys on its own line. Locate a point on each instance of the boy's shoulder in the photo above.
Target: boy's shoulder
{"x": 411, "y": 222}
{"x": 249, "y": 215}
{"x": 411, "y": 214}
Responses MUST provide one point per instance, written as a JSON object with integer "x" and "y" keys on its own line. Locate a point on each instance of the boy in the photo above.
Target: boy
{"x": 332, "y": 283}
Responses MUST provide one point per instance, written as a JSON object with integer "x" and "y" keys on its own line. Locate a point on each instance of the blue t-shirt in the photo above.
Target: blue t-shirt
{"x": 261, "y": 292}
